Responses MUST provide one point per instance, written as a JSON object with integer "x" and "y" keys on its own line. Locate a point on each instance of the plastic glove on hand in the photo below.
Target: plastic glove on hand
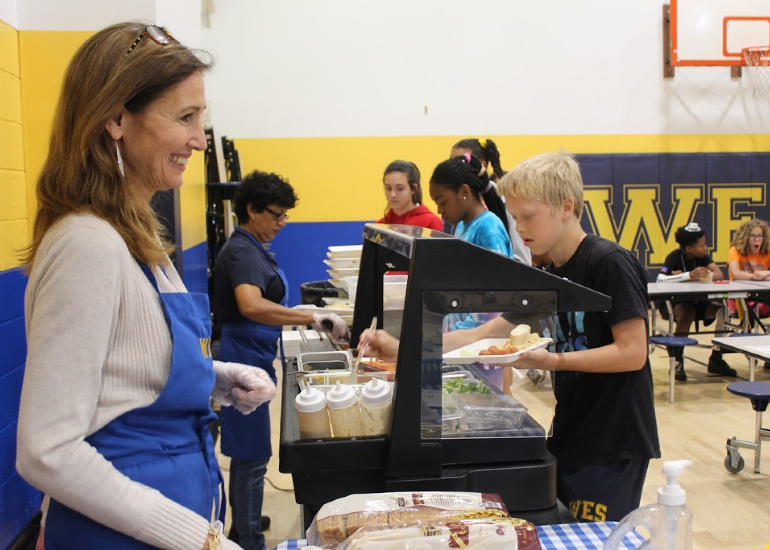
{"x": 242, "y": 386}
{"x": 338, "y": 327}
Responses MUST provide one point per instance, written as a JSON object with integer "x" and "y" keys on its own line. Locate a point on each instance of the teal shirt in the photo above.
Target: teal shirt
{"x": 488, "y": 232}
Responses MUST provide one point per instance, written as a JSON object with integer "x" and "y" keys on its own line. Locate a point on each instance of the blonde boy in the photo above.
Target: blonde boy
{"x": 604, "y": 428}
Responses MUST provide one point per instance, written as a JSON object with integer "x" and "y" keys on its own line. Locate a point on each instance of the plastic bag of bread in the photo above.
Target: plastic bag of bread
{"x": 476, "y": 534}
{"x": 339, "y": 519}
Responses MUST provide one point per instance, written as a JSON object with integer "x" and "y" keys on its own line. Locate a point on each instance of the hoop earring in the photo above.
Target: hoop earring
{"x": 121, "y": 168}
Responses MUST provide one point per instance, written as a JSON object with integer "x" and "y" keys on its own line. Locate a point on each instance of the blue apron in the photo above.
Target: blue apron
{"x": 251, "y": 343}
{"x": 166, "y": 445}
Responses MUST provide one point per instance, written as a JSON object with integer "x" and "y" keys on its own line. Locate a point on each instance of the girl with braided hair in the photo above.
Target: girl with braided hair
{"x": 460, "y": 187}
{"x": 486, "y": 151}
{"x": 466, "y": 198}
{"x": 483, "y": 149}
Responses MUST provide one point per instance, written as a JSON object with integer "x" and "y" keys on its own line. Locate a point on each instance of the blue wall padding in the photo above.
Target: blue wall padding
{"x": 301, "y": 247}
{"x": 18, "y": 501}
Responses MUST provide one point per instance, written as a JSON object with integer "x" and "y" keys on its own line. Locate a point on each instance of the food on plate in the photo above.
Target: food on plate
{"x": 519, "y": 339}
{"x": 503, "y": 349}
{"x": 520, "y": 335}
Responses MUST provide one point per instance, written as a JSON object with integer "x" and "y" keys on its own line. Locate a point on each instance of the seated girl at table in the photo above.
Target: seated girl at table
{"x": 749, "y": 259}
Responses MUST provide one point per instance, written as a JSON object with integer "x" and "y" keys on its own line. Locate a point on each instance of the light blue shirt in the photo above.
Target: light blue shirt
{"x": 489, "y": 232}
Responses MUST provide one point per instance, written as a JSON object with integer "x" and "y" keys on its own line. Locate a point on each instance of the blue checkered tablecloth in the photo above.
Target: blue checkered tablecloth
{"x": 567, "y": 536}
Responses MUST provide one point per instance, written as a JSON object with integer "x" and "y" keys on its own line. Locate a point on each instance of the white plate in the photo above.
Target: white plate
{"x": 470, "y": 353}
{"x": 339, "y": 284}
{"x": 340, "y": 273}
{"x": 349, "y": 251}
{"x": 343, "y": 263}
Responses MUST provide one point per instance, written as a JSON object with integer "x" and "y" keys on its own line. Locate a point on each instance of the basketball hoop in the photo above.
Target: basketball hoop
{"x": 757, "y": 62}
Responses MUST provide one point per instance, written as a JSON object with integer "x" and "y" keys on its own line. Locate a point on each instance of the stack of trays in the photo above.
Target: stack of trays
{"x": 343, "y": 262}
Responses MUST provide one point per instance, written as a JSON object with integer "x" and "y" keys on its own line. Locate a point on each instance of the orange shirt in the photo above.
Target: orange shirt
{"x": 748, "y": 262}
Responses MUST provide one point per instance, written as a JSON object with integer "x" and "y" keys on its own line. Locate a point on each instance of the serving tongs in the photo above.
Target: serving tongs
{"x": 363, "y": 349}
{"x": 327, "y": 327}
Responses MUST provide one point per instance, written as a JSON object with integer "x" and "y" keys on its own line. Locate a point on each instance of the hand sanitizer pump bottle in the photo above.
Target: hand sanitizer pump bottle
{"x": 669, "y": 522}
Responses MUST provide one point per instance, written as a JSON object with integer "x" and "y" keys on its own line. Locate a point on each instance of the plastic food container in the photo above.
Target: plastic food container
{"x": 394, "y": 291}
{"x": 489, "y": 412}
{"x": 450, "y": 413}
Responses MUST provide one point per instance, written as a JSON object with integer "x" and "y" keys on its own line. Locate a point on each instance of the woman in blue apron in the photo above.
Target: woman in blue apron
{"x": 164, "y": 445}
{"x": 250, "y": 297}
{"x": 118, "y": 376}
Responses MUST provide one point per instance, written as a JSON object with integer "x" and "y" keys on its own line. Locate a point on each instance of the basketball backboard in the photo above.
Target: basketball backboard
{"x": 713, "y": 32}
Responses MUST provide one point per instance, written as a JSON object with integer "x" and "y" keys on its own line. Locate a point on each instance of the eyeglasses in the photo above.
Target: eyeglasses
{"x": 159, "y": 35}
{"x": 757, "y": 236}
{"x": 278, "y": 217}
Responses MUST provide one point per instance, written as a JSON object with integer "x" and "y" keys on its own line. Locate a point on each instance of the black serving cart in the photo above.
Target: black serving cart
{"x": 446, "y": 275}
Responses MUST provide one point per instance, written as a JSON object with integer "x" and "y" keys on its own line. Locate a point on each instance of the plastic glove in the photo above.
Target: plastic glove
{"x": 334, "y": 323}
{"x": 242, "y": 386}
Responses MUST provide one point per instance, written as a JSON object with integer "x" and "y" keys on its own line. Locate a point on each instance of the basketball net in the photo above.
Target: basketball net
{"x": 757, "y": 61}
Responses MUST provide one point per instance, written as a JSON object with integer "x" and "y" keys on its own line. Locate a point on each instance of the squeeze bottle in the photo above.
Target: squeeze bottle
{"x": 344, "y": 412}
{"x": 376, "y": 407}
{"x": 669, "y": 522}
{"x": 312, "y": 418}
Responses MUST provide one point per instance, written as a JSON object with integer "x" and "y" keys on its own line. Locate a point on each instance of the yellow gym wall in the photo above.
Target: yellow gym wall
{"x": 340, "y": 179}
{"x": 44, "y": 57}
{"x": 13, "y": 215}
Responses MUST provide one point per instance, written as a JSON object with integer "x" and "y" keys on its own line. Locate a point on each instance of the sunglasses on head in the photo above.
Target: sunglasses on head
{"x": 159, "y": 35}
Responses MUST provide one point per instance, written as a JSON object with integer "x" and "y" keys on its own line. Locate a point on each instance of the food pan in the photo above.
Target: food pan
{"x": 489, "y": 412}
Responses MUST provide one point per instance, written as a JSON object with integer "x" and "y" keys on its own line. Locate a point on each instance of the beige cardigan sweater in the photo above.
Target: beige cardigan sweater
{"x": 98, "y": 346}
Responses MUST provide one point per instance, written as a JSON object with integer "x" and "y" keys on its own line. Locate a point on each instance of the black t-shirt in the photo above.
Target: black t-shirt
{"x": 676, "y": 261}
{"x": 240, "y": 261}
{"x": 602, "y": 418}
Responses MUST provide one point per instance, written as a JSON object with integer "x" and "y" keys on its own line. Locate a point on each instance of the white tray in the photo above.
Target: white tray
{"x": 343, "y": 263}
{"x": 348, "y": 251}
{"x": 469, "y": 353}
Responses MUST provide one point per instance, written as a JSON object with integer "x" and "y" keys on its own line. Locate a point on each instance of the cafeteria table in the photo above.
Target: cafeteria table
{"x": 719, "y": 290}
{"x": 754, "y": 346}
{"x": 577, "y": 536}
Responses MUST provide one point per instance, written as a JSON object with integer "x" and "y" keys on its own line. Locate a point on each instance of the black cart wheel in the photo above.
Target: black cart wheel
{"x": 729, "y": 464}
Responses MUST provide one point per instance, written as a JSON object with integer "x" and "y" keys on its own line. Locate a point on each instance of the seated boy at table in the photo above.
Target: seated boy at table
{"x": 692, "y": 262}
{"x": 604, "y": 427}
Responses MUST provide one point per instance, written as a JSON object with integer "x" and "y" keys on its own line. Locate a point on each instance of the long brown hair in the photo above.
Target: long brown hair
{"x": 81, "y": 173}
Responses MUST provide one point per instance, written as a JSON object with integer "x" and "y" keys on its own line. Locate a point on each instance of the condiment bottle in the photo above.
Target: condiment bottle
{"x": 376, "y": 407}
{"x": 312, "y": 418}
{"x": 344, "y": 413}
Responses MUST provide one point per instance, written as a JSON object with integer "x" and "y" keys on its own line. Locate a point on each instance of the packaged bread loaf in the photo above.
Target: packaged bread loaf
{"x": 339, "y": 519}
{"x": 475, "y": 534}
